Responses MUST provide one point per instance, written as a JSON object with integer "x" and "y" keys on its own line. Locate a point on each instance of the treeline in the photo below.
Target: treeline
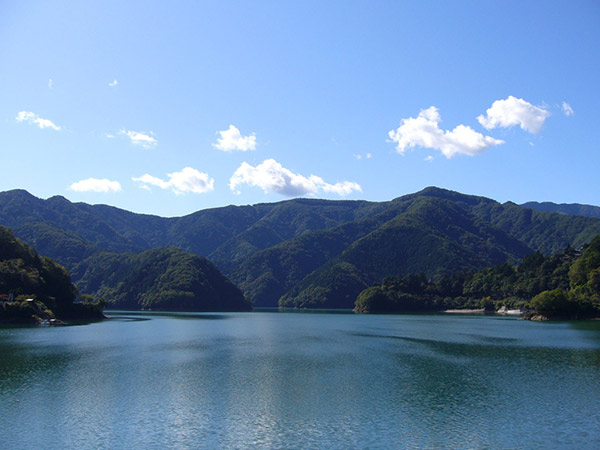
{"x": 33, "y": 288}
{"x": 565, "y": 285}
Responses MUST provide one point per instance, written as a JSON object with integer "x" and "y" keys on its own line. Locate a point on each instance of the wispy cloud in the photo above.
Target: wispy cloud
{"x": 50, "y": 83}
{"x": 429, "y": 158}
{"x": 514, "y": 111}
{"x": 272, "y": 177}
{"x": 186, "y": 180}
{"x": 29, "y": 117}
{"x": 139, "y": 138}
{"x": 113, "y": 83}
{"x": 567, "y": 110}
{"x": 96, "y": 185}
{"x": 366, "y": 156}
{"x": 424, "y": 131}
{"x": 231, "y": 139}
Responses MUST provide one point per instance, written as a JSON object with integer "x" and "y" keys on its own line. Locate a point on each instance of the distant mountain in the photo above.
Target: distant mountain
{"x": 305, "y": 252}
{"x": 572, "y": 209}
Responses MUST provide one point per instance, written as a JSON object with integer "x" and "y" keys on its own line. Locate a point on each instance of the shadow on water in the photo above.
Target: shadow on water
{"x": 127, "y": 319}
{"x": 503, "y": 349}
{"x": 265, "y": 309}
{"x": 585, "y": 325}
{"x": 140, "y": 316}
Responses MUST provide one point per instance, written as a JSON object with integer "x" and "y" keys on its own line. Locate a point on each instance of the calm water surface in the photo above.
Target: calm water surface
{"x": 289, "y": 380}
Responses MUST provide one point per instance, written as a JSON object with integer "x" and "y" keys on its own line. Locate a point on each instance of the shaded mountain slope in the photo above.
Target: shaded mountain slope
{"x": 433, "y": 236}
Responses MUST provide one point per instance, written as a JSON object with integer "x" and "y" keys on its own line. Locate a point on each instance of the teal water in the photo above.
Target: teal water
{"x": 295, "y": 381}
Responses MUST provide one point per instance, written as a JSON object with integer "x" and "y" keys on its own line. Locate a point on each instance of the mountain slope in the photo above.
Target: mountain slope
{"x": 434, "y": 236}
{"x": 24, "y": 273}
{"x": 165, "y": 278}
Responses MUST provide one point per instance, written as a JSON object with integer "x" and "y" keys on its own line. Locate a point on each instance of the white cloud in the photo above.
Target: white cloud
{"x": 187, "y": 180}
{"x": 514, "y": 111}
{"x": 424, "y": 131}
{"x": 567, "y": 110}
{"x": 50, "y": 83}
{"x": 359, "y": 156}
{"x": 231, "y": 139}
{"x": 113, "y": 83}
{"x": 429, "y": 158}
{"x": 369, "y": 156}
{"x": 96, "y": 185}
{"x": 27, "y": 116}
{"x": 271, "y": 177}
{"x": 141, "y": 139}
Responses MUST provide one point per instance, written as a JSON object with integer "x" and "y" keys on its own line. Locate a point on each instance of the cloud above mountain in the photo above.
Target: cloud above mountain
{"x": 186, "y": 180}
{"x": 514, "y": 111}
{"x": 424, "y": 131}
{"x": 231, "y": 139}
{"x": 96, "y": 185}
{"x": 272, "y": 177}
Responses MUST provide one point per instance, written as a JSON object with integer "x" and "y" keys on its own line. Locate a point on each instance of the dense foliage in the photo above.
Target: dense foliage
{"x": 305, "y": 252}
{"x": 161, "y": 279}
{"x": 565, "y": 285}
{"x": 431, "y": 235}
{"x": 25, "y": 275}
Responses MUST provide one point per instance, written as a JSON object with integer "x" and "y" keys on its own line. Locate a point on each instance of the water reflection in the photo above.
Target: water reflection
{"x": 300, "y": 381}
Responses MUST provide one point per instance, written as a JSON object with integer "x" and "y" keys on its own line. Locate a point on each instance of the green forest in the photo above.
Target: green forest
{"x": 563, "y": 286}
{"x": 36, "y": 289}
{"x": 165, "y": 278}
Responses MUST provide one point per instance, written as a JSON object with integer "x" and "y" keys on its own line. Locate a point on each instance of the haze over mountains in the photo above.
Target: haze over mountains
{"x": 301, "y": 252}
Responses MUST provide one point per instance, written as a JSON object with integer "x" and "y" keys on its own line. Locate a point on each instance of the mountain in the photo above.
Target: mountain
{"x": 165, "y": 278}
{"x": 25, "y": 275}
{"x": 304, "y": 252}
{"x": 571, "y": 209}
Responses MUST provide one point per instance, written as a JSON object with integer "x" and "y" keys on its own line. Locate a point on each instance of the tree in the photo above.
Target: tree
{"x": 554, "y": 304}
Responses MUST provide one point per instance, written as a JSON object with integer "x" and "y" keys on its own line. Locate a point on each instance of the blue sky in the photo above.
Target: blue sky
{"x": 171, "y": 107}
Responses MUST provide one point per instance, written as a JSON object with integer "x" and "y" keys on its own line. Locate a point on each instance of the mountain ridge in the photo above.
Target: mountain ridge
{"x": 280, "y": 252}
{"x": 571, "y": 209}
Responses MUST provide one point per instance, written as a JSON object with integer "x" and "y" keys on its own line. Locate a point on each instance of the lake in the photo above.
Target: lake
{"x": 301, "y": 381}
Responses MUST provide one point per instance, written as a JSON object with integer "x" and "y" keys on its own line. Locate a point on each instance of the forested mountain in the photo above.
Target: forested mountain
{"x": 33, "y": 287}
{"x": 571, "y": 209}
{"x": 305, "y": 252}
{"x": 165, "y": 278}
